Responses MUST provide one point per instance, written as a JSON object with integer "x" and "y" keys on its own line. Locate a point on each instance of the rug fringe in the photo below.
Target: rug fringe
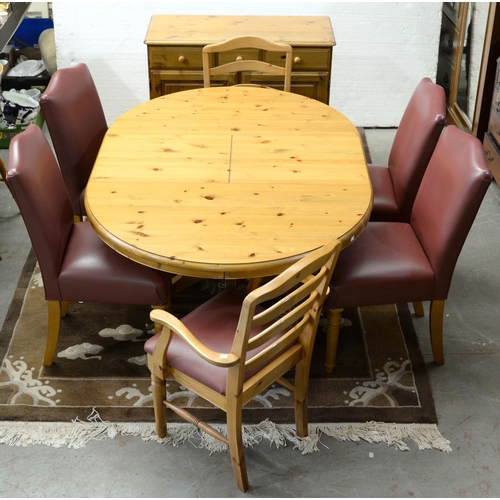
{"x": 78, "y": 433}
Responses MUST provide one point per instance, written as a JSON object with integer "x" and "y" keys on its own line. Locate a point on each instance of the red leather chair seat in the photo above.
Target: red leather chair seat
{"x": 386, "y": 257}
{"x": 214, "y": 324}
{"x": 94, "y": 272}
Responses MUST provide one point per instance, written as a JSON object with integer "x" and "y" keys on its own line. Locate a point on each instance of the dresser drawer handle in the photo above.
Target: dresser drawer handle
{"x": 182, "y": 59}
{"x": 488, "y": 157}
{"x": 239, "y": 58}
{"x": 297, "y": 60}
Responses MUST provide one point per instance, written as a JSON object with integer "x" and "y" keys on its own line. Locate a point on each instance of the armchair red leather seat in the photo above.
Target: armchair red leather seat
{"x": 395, "y": 185}
{"x": 77, "y": 125}
{"x": 76, "y": 265}
{"x": 397, "y": 262}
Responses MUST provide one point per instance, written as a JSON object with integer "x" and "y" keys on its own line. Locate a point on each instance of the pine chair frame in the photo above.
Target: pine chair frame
{"x": 248, "y": 42}
{"x": 290, "y": 324}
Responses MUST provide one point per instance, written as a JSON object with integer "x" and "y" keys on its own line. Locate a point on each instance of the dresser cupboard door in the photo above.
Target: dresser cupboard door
{"x": 311, "y": 84}
{"x": 168, "y": 82}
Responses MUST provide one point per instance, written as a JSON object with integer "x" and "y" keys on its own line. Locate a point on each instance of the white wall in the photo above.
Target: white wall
{"x": 382, "y": 52}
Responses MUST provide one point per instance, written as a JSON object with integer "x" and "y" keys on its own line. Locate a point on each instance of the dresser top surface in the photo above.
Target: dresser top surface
{"x": 201, "y": 30}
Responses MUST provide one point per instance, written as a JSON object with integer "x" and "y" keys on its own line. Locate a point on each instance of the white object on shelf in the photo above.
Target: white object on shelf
{"x": 31, "y": 67}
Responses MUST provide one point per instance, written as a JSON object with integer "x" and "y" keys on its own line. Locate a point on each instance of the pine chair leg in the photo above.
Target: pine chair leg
{"x": 301, "y": 398}
{"x": 436, "y": 330}
{"x": 332, "y": 337}
{"x": 64, "y": 308}
{"x": 159, "y": 395}
{"x": 54, "y": 327}
{"x": 234, "y": 435}
{"x": 419, "y": 308}
{"x": 157, "y": 326}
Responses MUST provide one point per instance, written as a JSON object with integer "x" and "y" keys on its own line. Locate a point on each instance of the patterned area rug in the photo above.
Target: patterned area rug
{"x": 100, "y": 373}
{"x": 99, "y": 384}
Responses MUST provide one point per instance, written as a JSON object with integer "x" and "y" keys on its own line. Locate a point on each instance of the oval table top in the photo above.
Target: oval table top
{"x": 231, "y": 182}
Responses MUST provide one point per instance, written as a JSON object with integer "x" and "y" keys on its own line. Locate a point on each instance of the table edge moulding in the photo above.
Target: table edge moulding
{"x": 174, "y": 45}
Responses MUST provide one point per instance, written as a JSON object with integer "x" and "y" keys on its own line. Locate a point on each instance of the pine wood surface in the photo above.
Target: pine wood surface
{"x": 189, "y": 30}
{"x": 228, "y": 182}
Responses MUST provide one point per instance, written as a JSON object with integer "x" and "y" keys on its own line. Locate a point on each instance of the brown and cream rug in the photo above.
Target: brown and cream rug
{"x": 99, "y": 383}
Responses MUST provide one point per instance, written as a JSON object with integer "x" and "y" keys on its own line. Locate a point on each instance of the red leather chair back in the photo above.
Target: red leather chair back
{"x": 77, "y": 126}
{"x": 40, "y": 193}
{"x": 414, "y": 142}
{"x": 447, "y": 202}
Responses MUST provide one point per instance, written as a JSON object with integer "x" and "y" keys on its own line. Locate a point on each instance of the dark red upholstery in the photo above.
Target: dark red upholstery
{"x": 77, "y": 126}
{"x": 395, "y": 186}
{"x": 214, "y": 325}
{"x": 76, "y": 264}
{"x": 396, "y": 262}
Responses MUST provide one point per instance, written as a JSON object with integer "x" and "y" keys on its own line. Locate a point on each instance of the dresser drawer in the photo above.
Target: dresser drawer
{"x": 492, "y": 155}
{"x": 161, "y": 57}
{"x": 305, "y": 59}
{"x": 494, "y": 123}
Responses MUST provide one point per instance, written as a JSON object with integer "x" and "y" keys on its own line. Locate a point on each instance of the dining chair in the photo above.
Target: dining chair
{"x": 77, "y": 125}
{"x": 398, "y": 262}
{"x": 395, "y": 185}
{"x": 247, "y": 47}
{"x": 232, "y": 347}
{"x": 76, "y": 265}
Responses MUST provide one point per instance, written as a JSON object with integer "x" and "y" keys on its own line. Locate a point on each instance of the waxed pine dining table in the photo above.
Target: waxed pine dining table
{"x": 228, "y": 182}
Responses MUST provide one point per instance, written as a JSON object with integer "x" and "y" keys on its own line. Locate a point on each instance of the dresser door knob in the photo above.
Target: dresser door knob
{"x": 488, "y": 157}
{"x": 182, "y": 59}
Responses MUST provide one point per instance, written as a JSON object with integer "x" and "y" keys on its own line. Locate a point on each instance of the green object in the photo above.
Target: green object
{"x": 7, "y": 134}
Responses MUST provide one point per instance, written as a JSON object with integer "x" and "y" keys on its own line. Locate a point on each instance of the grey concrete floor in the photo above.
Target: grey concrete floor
{"x": 466, "y": 391}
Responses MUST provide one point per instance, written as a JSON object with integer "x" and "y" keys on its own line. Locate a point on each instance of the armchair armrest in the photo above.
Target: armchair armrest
{"x": 169, "y": 321}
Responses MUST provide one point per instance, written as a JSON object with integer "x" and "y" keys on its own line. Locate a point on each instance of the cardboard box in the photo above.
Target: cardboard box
{"x": 24, "y": 82}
